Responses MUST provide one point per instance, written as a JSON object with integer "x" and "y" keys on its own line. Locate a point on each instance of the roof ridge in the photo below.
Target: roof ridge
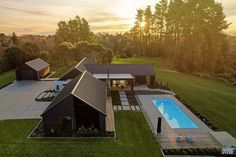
{"x": 80, "y": 62}
{"x": 72, "y": 92}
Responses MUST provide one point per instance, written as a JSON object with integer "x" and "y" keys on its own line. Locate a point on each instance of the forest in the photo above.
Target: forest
{"x": 190, "y": 33}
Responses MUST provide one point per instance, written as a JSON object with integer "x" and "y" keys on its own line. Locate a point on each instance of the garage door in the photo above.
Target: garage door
{"x": 27, "y": 75}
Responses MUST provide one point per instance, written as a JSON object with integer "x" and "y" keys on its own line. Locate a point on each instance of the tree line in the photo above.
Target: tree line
{"x": 188, "y": 31}
{"x": 73, "y": 40}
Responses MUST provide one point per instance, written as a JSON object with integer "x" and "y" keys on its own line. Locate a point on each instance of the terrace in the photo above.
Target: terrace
{"x": 168, "y": 136}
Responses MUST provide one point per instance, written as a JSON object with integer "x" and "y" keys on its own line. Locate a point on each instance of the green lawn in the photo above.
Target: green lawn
{"x": 6, "y": 78}
{"x": 213, "y": 99}
{"x": 134, "y": 139}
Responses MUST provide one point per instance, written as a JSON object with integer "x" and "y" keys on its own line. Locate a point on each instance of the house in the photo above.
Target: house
{"x": 81, "y": 103}
{"x": 116, "y": 76}
{"x": 33, "y": 70}
{"x": 123, "y": 76}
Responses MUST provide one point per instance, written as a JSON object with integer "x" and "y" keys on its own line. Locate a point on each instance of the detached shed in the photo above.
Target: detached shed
{"x": 33, "y": 70}
{"x": 80, "y": 104}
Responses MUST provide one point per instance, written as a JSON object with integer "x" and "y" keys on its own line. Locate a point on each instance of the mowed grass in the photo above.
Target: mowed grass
{"x": 213, "y": 99}
{"x": 134, "y": 139}
{"x": 6, "y": 78}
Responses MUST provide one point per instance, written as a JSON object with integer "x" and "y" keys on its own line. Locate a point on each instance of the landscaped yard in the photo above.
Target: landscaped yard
{"x": 6, "y": 78}
{"x": 213, "y": 99}
{"x": 134, "y": 139}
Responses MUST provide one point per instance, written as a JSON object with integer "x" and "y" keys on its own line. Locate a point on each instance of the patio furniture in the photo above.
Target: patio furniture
{"x": 189, "y": 138}
{"x": 179, "y": 138}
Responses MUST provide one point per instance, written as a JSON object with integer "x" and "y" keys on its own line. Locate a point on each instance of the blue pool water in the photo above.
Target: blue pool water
{"x": 175, "y": 117}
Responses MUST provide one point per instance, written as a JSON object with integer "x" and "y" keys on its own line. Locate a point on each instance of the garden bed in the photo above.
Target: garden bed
{"x": 39, "y": 132}
{"x": 115, "y": 98}
{"x": 193, "y": 151}
{"x": 160, "y": 85}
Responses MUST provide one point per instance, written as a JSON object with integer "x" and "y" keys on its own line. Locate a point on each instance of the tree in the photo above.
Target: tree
{"x": 148, "y": 18}
{"x": 75, "y": 30}
{"x": 160, "y": 17}
{"x": 15, "y": 56}
{"x": 3, "y": 40}
{"x": 14, "y": 39}
{"x": 63, "y": 53}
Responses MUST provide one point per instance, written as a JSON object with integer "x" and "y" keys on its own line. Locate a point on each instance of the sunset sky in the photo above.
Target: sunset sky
{"x": 41, "y": 16}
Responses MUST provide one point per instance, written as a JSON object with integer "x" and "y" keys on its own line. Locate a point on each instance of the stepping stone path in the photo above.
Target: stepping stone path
{"x": 125, "y": 106}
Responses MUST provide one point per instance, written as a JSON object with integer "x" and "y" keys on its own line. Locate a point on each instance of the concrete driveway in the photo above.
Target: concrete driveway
{"x": 17, "y": 99}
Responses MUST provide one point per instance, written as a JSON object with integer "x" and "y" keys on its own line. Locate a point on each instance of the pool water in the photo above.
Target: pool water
{"x": 175, "y": 117}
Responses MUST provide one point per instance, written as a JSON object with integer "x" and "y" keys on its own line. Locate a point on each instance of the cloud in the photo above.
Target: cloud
{"x": 107, "y": 27}
{"x": 34, "y": 12}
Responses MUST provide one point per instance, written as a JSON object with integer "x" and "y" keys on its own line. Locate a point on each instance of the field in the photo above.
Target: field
{"x": 213, "y": 99}
{"x": 6, "y": 78}
{"x": 134, "y": 139}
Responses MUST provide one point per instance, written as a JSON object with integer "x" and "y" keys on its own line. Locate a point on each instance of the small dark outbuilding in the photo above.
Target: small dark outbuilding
{"x": 76, "y": 70}
{"x": 33, "y": 70}
{"x": 81, "y": 103}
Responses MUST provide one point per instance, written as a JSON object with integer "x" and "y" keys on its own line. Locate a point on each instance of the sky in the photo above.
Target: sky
{"x": 41, "y": 16}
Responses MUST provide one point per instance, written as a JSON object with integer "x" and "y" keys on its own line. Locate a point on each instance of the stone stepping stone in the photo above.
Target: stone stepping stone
{"x": 124, "y": 103}
{"x": 115, "y": 108}
{"x": 119, "y": 108}
{"x": 123, "y": 99}
{"x": 132, "y": 107}
{"x": 123, "y": 96}
{"x": 137, "y": 108}
{"x": 126, "y": 108}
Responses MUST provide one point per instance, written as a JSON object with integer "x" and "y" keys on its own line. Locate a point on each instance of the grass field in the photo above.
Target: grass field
{"x": 6, "y": 78}
{"x": 134, "y": 139}
{"x": 60, "y": 70}
{"x": 213, "y": 99}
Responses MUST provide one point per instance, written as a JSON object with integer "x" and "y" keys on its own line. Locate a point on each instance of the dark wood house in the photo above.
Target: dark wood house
{"x": 141, "y": 73}
{"x": 33, "y": 70}
{"x": 76, "y": 70}
{"x": 116, "y": 76}
{"x": 81, "y": 103}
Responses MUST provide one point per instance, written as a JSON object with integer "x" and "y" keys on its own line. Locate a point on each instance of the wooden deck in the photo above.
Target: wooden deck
{"x": 110, "y": 122}
{"x": 199, "y": 141}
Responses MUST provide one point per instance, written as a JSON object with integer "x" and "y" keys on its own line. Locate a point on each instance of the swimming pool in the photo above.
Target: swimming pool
{"x": 175, "y": 117}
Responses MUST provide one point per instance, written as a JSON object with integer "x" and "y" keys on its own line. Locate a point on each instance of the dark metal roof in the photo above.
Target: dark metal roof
{"x": 92, "y": 91}
{"x": 86, "y": 88}
{"x": 64, "y": 93}
{"x": 81, "y": 66}
{"x": 37, "y": 64}
{"x": 134, "y": 69}
{"x": 76, "y": 69}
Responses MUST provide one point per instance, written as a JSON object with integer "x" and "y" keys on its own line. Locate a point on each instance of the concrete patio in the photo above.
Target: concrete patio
{"x": 17, "y": 101}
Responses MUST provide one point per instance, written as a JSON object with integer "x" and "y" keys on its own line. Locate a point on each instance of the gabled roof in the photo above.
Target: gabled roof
{"x": 134, "y": 69}
{"x": 85, "y": 88}
{"x": 81, "y": 65}
{"x": 79, "y": 68}
{"x": 37, "y": 64}
{"x": 64, "y": 93}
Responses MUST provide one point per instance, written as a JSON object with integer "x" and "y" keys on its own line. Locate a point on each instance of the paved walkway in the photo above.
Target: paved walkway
{"x": 126, "y": 108}
{"x": 110, "y": 122}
